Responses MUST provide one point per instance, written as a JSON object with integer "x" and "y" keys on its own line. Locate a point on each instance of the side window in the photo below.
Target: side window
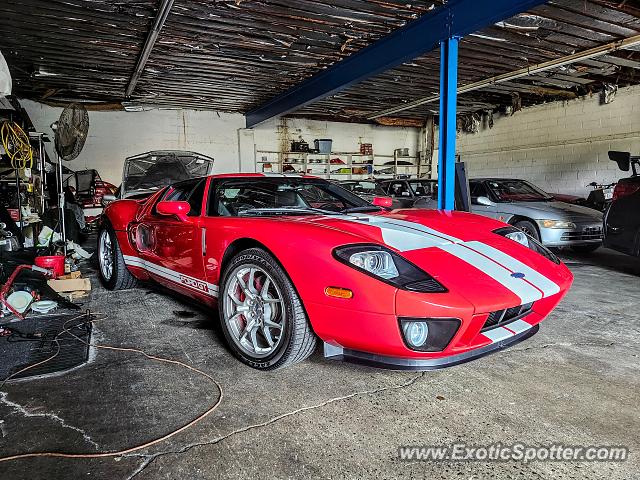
{"x": 213, "y": 208}
{"x": 477, "y": 189}
{"x": 399, "y": 189}
{"x": 191, "y": 191}
{"x": 195, "y": 198}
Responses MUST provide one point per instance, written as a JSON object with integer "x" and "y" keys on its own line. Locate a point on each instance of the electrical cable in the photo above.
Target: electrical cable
{"x": 119, "y": 349}
{"x": 16, "y": 144}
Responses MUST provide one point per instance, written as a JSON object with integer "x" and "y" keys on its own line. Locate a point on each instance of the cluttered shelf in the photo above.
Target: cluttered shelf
{"x": 326, "y": 162}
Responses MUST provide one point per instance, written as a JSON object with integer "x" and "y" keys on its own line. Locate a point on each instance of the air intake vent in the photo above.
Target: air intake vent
{"x": 502, "y": 317}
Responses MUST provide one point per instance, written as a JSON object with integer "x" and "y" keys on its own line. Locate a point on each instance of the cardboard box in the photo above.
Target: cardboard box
{"x": 70, "y": 284}
{"x": 70, "y": 276}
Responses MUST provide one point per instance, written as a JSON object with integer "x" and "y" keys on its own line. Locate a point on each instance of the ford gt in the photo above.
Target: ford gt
{"x": 290, "y": 261}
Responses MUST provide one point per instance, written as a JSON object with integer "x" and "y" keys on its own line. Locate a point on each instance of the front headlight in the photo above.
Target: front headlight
{"x": 378, "y": 263}
{"x": 522, "y": 238}
{"x": 557, "y": 224}
{"x": 389, "y": 267}
{"x": 518, "y": 236}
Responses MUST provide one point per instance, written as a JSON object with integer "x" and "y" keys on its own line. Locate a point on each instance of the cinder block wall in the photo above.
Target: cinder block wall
{"x": 561, "y": 146}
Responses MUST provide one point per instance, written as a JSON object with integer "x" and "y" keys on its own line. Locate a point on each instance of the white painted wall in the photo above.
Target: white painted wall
{"x": 560, "y": 146}
{"x": 346, "y": 136}
{"x": 113, "y": 136}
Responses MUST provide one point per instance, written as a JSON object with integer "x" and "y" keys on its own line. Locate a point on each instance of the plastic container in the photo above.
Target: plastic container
{"x": 54, "y": 262}
{"x": 323, "y": 145}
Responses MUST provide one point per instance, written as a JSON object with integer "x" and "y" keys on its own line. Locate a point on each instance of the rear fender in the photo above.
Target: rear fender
{"x": 121, "y": 213}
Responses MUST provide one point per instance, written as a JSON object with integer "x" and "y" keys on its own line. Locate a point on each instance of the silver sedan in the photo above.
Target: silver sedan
{"x": 522, "y": 204}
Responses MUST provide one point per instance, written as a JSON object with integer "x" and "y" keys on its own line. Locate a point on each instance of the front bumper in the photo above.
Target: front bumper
{"x": 584, "y": 234}
{"x": 333, "y": 352}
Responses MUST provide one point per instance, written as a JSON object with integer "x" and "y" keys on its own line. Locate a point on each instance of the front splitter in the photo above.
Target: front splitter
{"x": 333, "y": 352}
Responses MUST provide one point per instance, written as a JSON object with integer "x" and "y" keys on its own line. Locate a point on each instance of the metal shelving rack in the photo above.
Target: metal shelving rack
{"x": 319, "y": 164}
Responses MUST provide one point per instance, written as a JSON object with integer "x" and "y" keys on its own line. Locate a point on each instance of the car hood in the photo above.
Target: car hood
{"x": 458, "y": 249}
{"x": 553, "y": 210}
{"x": 410, "y": 229}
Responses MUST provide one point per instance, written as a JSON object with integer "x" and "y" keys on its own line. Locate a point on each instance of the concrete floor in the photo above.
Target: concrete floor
{"x": 576, "y": 382}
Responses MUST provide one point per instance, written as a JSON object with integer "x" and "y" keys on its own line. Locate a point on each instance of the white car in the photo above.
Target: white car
{"x": 525, "y": 206}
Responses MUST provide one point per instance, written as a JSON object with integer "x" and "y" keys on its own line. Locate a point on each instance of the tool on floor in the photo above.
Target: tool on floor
{"x": 7, "y": 286}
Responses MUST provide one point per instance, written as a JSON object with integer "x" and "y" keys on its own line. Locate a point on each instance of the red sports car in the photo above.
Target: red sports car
{"x": 289, "y": 260}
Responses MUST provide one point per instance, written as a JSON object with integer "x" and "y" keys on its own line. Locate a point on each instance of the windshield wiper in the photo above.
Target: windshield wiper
{"x": 364, "y": 208}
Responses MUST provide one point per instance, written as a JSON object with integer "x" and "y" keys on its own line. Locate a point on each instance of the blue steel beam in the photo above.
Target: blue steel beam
{"x": 456, "y": 18}
{"x": 448, "y": 108}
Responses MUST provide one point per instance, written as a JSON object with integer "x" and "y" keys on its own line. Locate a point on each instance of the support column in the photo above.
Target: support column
{"x": 448, "y": 110}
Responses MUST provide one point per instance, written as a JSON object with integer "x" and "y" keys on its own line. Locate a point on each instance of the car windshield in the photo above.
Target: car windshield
{"x": 424, "y": 188}
{"x": 517, "y": 191}
{"x": 285, "y": 196}
{"x": 153, "y": 170}
{"x": 366, "y": 188}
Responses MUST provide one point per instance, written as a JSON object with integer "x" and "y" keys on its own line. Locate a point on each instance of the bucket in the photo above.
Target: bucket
{"x": 54, "y": 262}
{"x": 323, "y": 145}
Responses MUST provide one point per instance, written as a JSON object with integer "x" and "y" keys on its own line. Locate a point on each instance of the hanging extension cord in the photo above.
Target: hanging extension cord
{"x": 135, "y": 448}
{"x": 118, "y": 453}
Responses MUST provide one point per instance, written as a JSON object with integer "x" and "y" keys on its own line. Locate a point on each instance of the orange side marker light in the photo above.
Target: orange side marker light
{"x": 338, "y": 292}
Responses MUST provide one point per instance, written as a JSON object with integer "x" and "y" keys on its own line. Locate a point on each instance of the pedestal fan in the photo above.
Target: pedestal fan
{"x": 71, "y": 131}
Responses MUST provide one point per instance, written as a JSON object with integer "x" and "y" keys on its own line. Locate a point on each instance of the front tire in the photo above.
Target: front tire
{"x": 262, "y": 317}
{"x": 529, "y": 228}
{"x": 112, "y": 270}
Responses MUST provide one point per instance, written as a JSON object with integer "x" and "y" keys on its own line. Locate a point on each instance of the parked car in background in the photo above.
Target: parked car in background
{"x": 622, "y": 220}
{"x": 144, "y": 174}
{"x": 572, "y": 199}
{"x": 89, "y": 189}
{"x": 365, "y": 189}
{"x": 538, "y": 214}
{"x": 411, "y": 193}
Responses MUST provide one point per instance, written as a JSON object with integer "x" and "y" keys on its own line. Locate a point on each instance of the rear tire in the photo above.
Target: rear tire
{"x": 262, "y": 317}
{"x": 529, "y": 228}
{"x": 112, "y": 270}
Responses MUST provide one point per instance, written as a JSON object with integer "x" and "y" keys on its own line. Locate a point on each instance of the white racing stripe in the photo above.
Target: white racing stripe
{"x": 180, "y": 278}
{"x": 510, "y": 330}
{"x": 540, "y": 281}
{"x": 525, "y": 291}
{"x": 400, "y": 234}
{"x": 406, "y": 236}
{"x": 518, "y": 326}
{"x": 497, "y": 334}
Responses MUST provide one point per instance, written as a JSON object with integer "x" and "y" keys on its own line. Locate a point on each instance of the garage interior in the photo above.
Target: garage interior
{"x": 349, "y": 91}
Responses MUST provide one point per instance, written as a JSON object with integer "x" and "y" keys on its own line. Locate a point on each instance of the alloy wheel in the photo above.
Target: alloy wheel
{"x": 254, "y": 311}
{"x": 105, "y": 255}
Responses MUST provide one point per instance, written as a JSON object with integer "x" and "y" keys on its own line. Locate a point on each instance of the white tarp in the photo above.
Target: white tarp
{"x": 5, "y": 78}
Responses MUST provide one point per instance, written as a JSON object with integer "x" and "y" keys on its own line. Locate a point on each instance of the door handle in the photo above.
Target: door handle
{"x": 204, "y": 242}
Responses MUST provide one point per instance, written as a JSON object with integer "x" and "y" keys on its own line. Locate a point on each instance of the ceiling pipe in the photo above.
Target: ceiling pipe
{"x": 152, "y": 37}
{"x": 520, "y": 73}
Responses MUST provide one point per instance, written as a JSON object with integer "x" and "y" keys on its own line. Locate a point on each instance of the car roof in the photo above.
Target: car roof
{"x": 262, "y": 175}
{"x": 496, "y": 179}
{"x": 413, "y": 180}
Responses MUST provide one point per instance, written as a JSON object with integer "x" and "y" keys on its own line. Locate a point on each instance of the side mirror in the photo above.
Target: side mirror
{"x": 174, "y": 209}
{"x": 385, "y": 202}
{"x": 623, "y": 159}
{"x": 107, "y": 199}
{"x": 484, "y": 201}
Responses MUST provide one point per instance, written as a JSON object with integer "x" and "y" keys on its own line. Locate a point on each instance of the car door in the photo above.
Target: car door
{"x": 623, "y": 223}
{"x": 173, "y": 248}
{"x": 478, "y": 189}
{"x": 401, "y": 194}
